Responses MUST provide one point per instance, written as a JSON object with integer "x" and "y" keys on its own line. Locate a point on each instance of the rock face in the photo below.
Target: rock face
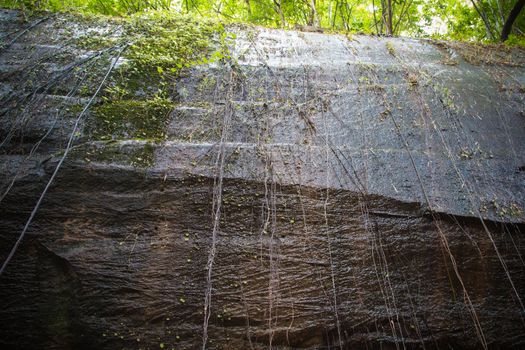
{"x": 330, "y": 192}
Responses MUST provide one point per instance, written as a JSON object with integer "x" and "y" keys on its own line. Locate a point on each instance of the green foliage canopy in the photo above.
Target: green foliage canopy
{"x": 475, "y": 20}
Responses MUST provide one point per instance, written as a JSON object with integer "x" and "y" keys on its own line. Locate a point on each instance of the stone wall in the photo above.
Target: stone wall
{"x": 342, "y": 192}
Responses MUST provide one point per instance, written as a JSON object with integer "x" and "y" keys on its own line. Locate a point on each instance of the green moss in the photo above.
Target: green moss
{"x": 504, "y": 210}
{"x": 390, "y": 48}
{"x": 515, "y": 210}
{"x": 379, "y": 88}
{"x": 162, "y": 42}
{"x": 144, "y": 156}
{"x": 139, "y": 97}
{"x": 465, "y": 154}
{"x": 412, "y": 79}
{"x": 172, "y": 41}
{"x": 207, "y": 84}
{"x": 139, "y": 154}
{"x": 95, "y": 42}
{"x": 131, "y": 119}
{"x": 479, "y": 54}
{"x": 137, "y": 101}
{"x": 162, "y": 45}
{"x": 366, "y": 66}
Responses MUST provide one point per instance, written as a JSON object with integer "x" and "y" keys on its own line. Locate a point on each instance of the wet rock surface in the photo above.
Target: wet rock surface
{"x": 362, "y": 193}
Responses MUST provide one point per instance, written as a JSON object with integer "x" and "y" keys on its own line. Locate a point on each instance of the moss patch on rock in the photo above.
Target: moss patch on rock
{"x": 139, "y": 97}
{"x": 131, "y": 119}
{"x": 171, "y": 41}
{"x": 137, "y": 153}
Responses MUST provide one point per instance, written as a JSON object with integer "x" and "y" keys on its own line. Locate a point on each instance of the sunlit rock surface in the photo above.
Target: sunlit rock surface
{"x": 364, "y": 193}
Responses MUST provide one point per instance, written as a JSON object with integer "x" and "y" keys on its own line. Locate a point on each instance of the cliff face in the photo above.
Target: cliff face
{"x": 312, "y": 191}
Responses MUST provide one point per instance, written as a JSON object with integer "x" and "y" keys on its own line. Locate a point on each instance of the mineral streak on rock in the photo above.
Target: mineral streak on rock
{"x": 372, "y": 196}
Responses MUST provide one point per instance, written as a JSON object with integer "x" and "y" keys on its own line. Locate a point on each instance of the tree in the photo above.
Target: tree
{"x": 454, "y": 19}
{"x": 510, "y": 19}
{"x": 480, "y": 10}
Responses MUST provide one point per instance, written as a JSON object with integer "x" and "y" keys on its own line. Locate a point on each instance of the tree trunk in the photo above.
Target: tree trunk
{"x": 510, "y": 20}
{"x": 279, "y": 10}
{"x": 386, "y": 17}
{"x": 313, "y": 15}
{"x": 483, "y": 15}
{"x": 248, "y": 8}
{"x": 389, "y": 28}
